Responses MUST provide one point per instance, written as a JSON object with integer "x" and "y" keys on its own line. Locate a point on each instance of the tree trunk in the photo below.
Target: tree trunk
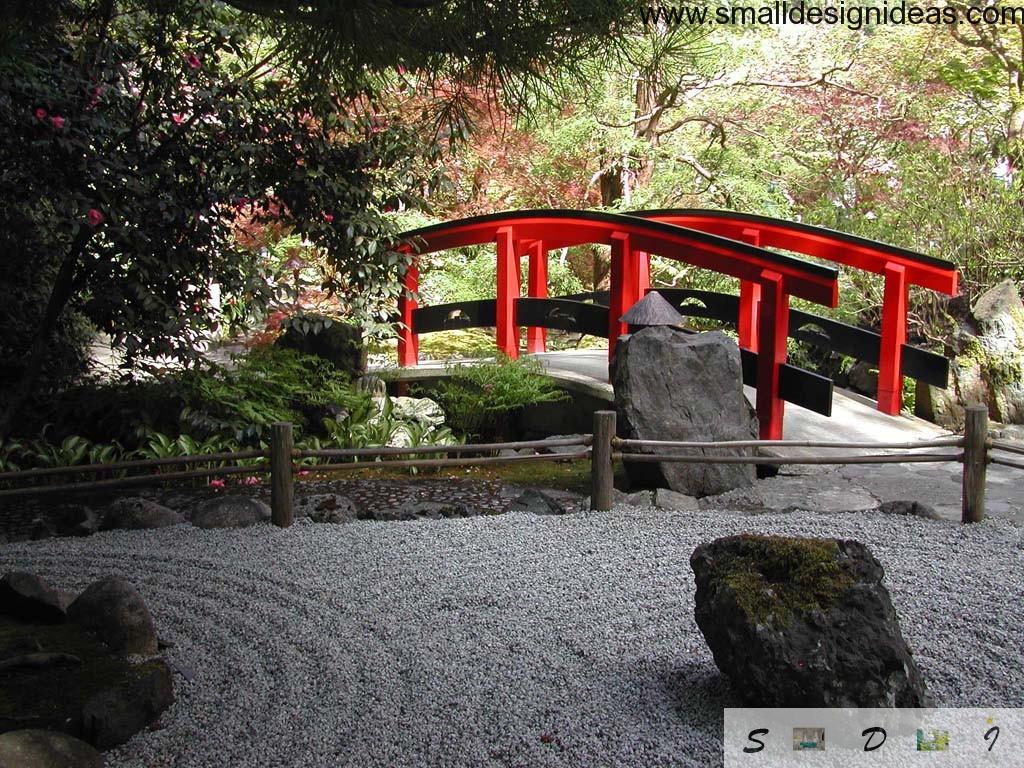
{"x": 60, "y": 295}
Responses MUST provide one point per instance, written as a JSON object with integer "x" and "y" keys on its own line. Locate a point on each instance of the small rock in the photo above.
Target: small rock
{"x": 537, "y": 502}
{"x": 46, "y": 749}
{"x": 635, "y": 499}
{"x": 27, "y": 597}
{"x": 327, "y": 508}
{"x": 555, "y": 450}
{"x": 665, "y": 498}
{"x": 113, "y": 716}
{"x": 231, "y": 512}
{"x": 416, "y": 510}
{"x": 137, "y": 513}
{"x": 914, "y": 508}
{"x": 112, "y": 609}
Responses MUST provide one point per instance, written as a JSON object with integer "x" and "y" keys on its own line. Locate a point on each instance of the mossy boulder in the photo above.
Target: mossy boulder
{"x": 803, "y": 623}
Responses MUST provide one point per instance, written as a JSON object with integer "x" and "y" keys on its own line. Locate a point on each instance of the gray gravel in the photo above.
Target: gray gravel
{"x": 511, "y": 640}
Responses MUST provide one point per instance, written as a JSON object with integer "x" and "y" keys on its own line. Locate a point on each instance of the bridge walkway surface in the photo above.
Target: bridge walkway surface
{"x": 821, "y": 487}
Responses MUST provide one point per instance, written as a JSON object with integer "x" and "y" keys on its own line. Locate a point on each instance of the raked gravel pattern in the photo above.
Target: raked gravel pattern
{"x": 509, "y": 640}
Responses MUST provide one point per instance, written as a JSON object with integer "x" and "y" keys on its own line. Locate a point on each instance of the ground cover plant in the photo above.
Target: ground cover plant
{"x": 481, "y": 401}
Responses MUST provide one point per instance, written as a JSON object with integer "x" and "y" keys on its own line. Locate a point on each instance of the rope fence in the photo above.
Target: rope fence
{"x": 602, "y": 447}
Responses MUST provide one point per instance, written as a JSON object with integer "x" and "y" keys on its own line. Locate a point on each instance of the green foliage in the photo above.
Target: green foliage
{"x": 480, "y": 400}
{"x": 367, "y": 427}
{"x": 134, "y": 137}
{"x": 267, "y": 385}
{"x": 236, "y": 402}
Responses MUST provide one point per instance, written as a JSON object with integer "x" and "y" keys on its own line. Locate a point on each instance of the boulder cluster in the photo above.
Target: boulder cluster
{"x": 78, "y": 673}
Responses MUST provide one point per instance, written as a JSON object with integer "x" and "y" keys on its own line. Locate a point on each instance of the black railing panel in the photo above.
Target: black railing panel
{"x": 451, "y": 317}
{"x": 563, "y": 315}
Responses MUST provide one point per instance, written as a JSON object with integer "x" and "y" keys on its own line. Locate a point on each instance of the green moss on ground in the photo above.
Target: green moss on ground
{"x": 34, "y": 698}
{"x": 777, "y": 579}
{"x": 564, "y": 475}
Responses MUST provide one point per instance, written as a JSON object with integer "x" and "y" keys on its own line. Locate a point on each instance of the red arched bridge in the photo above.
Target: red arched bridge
{"x": 730, "y": 243}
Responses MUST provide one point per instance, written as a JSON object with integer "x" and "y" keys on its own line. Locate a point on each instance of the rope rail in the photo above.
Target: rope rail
{"x": 885, "y": 458}
{"x": 383, "y": 450}
{"x": 119, "y": 482}
{"x": 1002, "y": 445}
{"x": 942, "y": 442}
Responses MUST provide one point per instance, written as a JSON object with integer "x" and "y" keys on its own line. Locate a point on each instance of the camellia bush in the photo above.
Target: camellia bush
{"x": 133, "y": 137}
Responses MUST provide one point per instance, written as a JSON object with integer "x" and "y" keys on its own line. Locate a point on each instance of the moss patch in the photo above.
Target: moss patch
{"x": 53, "y": 698}
{"x": 777, "y": 579}
{"x": 565, "y": 475}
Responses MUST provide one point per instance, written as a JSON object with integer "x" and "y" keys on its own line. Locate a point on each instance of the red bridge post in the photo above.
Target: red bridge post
{"x": 772, "y": 331}
{"x": 644, "y": 266}
{"x": 894, "y": 336}
{"x": 408, "y": 340}
{"x": 750, "y": 298}
{"x": 624, "y": 288}
{"x": 507, "y": 334}
{"x": 537, "y": 288}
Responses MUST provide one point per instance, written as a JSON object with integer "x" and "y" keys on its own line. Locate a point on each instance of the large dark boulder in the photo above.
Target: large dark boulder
{"x": 112, "y": 610}
{"x": 674, "y": 385}
{"x": 803, "y": 623}
{"x": 36, "y": 748}
{"x": 27, "y": 597}
{"x": 339, "y": 343}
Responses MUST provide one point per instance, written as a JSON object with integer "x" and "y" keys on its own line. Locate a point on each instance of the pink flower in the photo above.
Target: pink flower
{"x": 303, "y": 472}
{"x": 40, "y": 113}
{"x": 327, "y": 216}
{"x": 94, "y": 217}
{"x": 178, "y": 118}
{"x": 251, "y": 480}
{"x": 193, "y": 61}
{"x": 216, "y": 483}
{"x": 57, "y": 122}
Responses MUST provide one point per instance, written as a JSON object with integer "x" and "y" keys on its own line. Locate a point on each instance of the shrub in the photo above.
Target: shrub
{"x": 482, "y": 400}
{"x": 267, "y": 385}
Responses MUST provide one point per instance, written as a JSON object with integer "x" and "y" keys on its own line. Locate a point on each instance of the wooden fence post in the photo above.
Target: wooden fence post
{"x": 975, "y": 463}
{"x": 602, "y": 473}
{"x": 282, "y": 511}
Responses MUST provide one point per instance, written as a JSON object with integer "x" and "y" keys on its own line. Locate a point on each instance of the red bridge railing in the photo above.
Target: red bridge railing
{"x": 534, "y": 233}
{"x": 900, "y": 267}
